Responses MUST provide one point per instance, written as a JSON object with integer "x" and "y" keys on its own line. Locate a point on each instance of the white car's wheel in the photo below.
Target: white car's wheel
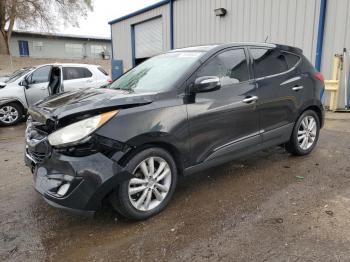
{"x": 10, "y": 114}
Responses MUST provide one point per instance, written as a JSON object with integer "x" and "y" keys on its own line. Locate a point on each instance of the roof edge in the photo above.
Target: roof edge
{"x": 138, "y": 12}
{"x": 60, "y": 35}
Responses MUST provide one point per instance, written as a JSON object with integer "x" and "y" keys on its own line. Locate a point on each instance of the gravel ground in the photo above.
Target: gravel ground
{"x": 269, "y": 206}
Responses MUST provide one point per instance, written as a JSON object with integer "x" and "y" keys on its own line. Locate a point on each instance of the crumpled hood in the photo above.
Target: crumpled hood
{"x": 79, "y": 102}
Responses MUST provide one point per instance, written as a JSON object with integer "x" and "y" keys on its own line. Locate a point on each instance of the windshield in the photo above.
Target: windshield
{"x": 157, "y": 73}
{"x": 17, "y": 74}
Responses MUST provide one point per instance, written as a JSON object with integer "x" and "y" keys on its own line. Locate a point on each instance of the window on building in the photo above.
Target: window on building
{"x": 70, "y": 73}
{"x": 38, "y": 46}
{"x": 230, "y": 66}
{"x": 272, "y": 61}
{"x": 75, "y": 50}
{"x": 97, "y": 50}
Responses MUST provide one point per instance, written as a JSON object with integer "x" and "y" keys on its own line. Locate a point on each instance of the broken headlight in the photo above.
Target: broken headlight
{"x": 78, "y": 132}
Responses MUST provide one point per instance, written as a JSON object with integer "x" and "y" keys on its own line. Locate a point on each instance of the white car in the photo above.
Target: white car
{"x": 27, "y": 86}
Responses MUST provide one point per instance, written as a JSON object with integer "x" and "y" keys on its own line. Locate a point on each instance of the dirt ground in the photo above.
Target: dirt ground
{"x": 269, "y": 206}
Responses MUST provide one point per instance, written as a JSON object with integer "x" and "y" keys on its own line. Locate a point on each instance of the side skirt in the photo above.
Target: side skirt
{"x": 244, "y": 147}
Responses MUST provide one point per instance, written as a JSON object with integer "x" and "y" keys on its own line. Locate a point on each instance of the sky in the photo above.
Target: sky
{"x": 104, "y": 11}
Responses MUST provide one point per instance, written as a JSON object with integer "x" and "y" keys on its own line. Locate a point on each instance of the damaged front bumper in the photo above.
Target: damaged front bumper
{"x": 75, "y": 183}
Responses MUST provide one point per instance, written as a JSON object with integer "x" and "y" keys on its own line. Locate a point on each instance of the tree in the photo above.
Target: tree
{"x": 43, "y": 15}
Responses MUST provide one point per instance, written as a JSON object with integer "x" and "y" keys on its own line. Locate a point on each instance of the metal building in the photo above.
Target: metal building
{"x": 319, "y": 27}
{"x": 44, "y": 45}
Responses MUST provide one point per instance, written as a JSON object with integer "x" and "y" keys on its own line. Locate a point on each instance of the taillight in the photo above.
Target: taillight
{"x": 319, "y": 76}
{"x": 109, "y": 81}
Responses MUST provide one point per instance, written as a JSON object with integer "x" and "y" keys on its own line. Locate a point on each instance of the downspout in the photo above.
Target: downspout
{"x": 112, "y": 55}
{"x": 320, "y": 34}
{"x": 112, "y": 44}
{"x": 133, "y": 59}
{"x": 171, "y": 8}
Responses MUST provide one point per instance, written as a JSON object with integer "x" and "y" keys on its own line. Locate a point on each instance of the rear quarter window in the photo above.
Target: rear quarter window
{"x": 269, "y": 62}
{"x": 102, "y": 71}
{"x": 70, "y": 73}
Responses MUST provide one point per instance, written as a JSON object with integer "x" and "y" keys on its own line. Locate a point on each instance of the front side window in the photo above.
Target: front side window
{"x": 157, "y": 73}
{"x": 269, "y": 62}
{"x": 40, "y": 75}
{"x": 230, "y": 66}
{"x": 70, "y": 73}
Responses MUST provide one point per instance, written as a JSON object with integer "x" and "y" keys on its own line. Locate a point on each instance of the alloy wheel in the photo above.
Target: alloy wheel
{"x": 307, "y": 132}
{"x": 151, "y": 183}
{"x": 8, "y": 114}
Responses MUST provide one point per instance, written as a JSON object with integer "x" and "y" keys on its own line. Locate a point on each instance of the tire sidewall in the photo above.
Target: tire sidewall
{"x": 123, "y": 194}
{"x": 20, "y": 114}
{"x": 299, "y": 150}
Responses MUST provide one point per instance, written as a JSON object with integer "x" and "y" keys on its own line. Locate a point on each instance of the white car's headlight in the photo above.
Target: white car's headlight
{"x": 79, "y": 131}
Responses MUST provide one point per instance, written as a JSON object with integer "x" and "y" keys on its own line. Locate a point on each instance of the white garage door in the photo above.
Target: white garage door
{"x": 149, "y": 38}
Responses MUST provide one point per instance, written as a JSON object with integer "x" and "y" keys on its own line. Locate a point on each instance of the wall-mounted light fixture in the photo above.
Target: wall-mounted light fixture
{"x": 220, "y": 11}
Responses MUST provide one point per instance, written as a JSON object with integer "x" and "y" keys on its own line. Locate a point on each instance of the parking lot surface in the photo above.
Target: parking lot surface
{"x": 269, "y": 206}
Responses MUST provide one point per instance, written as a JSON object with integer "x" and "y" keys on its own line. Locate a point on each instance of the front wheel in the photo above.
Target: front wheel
{"x": 153, "y": 184}
{"x": 305, "y": 134}
{"x": 10, "y": 114}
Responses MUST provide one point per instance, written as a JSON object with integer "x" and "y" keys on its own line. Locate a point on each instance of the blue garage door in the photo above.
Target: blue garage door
{"x": 23, "y": 48}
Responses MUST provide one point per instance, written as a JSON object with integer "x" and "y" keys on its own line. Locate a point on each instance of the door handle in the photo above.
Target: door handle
{"x": 250, "y": 99}
{"x": 296, "y": 88}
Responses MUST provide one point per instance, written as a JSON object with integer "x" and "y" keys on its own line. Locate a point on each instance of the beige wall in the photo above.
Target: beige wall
{"x": 19, "y": 62}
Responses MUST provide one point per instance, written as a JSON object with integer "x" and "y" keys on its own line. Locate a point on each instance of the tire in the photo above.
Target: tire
{"x": 136, "y": 204}
{"x": 303, "y": 140}
{"x": 10, "y": 114}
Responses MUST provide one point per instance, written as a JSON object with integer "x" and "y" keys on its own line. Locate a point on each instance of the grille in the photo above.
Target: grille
{"x": 37, "y": 156}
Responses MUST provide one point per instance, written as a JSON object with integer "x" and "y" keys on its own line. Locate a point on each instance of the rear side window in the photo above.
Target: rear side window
{"x": 230, "y": 66}
{"x": 102, "y": 70}
{"x": 70, "y": 73}
{"x": 272, "y": 61}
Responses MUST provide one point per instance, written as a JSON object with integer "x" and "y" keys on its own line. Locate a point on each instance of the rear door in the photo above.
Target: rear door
{"x": 75, "y": 78}
{"x": 280, "y": 88}
{"x": 224, "y": 121}
{"x": 38, "y": 82}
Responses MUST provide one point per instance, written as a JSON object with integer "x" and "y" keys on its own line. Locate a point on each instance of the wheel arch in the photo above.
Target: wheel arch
{"x": 317, "y": 108}
{"x": 15, "y": 101}
{"x": 169, "y": 147}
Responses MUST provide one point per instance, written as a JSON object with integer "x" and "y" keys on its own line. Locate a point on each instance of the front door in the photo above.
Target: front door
{"x": 224, "y": 121}
{"x": 23, "y": 48}
{"x": 37, "y": 87}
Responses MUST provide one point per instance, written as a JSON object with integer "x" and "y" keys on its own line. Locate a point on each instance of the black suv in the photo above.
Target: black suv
{"x": 175, "y": 114}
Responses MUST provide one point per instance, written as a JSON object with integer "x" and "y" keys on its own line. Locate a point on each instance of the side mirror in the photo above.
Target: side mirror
{"x": 206, "y": 84}
{"x": 24, "y": 83}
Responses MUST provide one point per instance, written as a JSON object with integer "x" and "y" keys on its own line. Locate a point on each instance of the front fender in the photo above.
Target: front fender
{"x": 7, "y": 100}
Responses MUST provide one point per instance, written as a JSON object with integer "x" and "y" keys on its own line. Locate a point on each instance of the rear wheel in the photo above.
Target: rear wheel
{"x": 305, "y": 134}
{"x": 10, "y": 114}
{"x": 150, "y": 190}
